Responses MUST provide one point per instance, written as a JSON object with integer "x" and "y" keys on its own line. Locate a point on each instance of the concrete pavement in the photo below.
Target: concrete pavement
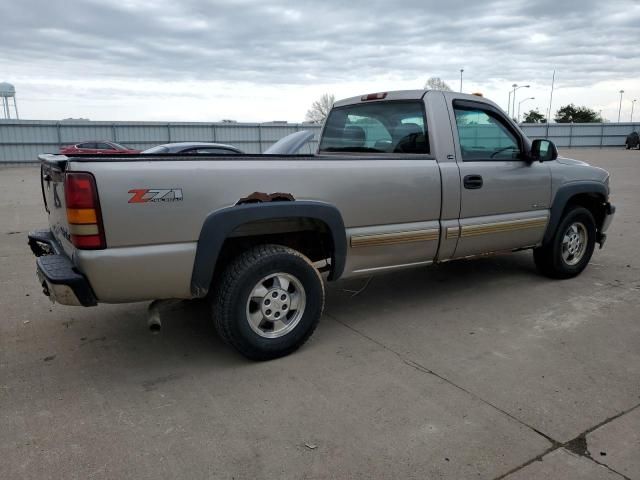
{"x": 472, "y": 369}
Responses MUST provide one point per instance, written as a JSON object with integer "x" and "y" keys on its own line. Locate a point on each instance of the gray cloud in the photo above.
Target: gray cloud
{"x": 303, "y": 42}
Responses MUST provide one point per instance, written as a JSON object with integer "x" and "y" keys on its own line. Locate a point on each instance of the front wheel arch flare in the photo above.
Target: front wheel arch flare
{"x": 563, "y": 198}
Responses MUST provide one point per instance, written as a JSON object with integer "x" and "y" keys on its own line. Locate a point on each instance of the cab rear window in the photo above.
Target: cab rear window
{"x": 378, "y": 127}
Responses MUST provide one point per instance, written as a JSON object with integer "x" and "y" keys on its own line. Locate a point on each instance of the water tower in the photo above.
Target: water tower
{"x": 8, "y": 91}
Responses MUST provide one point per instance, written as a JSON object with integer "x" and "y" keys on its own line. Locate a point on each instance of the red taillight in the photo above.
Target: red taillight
{"x": 87, "y": 242}
{"x": 83, "y": 211}
{"x": 80, "y": 190}
{"x": 373, "y": 96}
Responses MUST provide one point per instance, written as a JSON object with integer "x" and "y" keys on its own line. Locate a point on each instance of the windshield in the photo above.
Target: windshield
{"x": 380, "y": 127}
{"x": 119, "y": 146}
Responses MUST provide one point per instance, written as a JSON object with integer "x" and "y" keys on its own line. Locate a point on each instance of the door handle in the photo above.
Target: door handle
{"x": 472, "y": 182}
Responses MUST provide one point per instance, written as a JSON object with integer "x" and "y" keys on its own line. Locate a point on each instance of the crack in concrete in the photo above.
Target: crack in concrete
{"x": 577, "y": 445}
{"x": 608, "y": 467}
{"x": 423, "y": 369}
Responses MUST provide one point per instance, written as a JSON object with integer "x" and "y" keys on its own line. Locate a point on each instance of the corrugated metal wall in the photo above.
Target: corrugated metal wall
{"x": 23, "y": 140}
{"x": 582, "y": 134}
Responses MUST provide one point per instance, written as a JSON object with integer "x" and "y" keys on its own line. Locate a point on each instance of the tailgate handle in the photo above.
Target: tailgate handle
{"x": 472, "y": 182}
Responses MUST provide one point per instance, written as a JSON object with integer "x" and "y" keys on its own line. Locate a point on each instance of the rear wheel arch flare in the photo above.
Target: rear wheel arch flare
{"x": 219, "y": 225}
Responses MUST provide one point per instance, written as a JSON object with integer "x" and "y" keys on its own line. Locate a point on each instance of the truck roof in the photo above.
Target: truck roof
{"x": 409, "y": 95}
{"x": 393, "y": 95}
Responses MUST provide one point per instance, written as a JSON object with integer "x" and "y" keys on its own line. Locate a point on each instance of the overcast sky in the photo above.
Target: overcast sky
{"x": 261, "y": 60}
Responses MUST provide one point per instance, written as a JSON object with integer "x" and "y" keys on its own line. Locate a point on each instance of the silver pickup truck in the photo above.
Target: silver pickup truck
{"x": 400, "y": 179}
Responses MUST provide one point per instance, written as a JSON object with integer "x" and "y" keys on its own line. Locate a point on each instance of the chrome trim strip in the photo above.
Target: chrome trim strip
{"x": 502, "y": 227}
{"x": 390, "y": 267}
{"x": 394, "y": 238}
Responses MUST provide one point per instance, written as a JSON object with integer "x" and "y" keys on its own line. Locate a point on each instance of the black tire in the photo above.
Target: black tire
{"x": 627, "y": 146}
{"x": 230, "y": 305}
{"x": 549, "y": 258}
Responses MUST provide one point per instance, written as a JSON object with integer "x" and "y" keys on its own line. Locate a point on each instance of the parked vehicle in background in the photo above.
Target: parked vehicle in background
{"x": 632, "y": 141}
{"x": 291, "y": 144}
{"x": 400, "y": 179}
{"x": 194, "y": 148}
{"x": 98, "y": 147}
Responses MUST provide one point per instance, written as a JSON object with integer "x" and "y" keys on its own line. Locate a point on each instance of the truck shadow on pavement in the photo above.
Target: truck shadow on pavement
{"x": 432, "y": 287}
{"x": 188, "y": 338}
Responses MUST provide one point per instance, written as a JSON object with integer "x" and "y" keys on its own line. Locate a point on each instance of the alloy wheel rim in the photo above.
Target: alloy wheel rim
{"x": 574, "y": 243}
{"x": 276, "y": 305}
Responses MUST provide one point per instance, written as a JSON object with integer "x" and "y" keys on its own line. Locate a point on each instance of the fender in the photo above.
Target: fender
{"x": 219, "y": 224}
{"x": 563, "y": 195}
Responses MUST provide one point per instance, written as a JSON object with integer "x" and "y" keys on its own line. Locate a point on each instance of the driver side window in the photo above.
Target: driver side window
{"x": 484, "y": 137}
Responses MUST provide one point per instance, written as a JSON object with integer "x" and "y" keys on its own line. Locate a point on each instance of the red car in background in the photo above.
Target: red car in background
{"x": 101, "y": 147}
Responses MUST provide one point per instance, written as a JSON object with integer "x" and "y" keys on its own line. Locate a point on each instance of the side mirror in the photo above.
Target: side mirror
{"x": 543, "y": 150}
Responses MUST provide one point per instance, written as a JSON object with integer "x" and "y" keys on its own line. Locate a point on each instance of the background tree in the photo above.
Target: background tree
{"x": 534, "y": 116}
{"x": 320, "y": 108}
{"x": 436, "y": 83}
{"x": 572, "y": 114}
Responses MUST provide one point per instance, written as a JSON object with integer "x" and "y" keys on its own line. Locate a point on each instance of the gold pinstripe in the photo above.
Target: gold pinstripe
{"x": 453, "y": 232}
{"x": 502, "y": 227}
{"x": 394, "y": 238}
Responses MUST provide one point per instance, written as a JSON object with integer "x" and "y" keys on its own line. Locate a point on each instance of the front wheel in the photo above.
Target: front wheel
{"x": 571, "y": 247}
{"x": 268, "y": 302}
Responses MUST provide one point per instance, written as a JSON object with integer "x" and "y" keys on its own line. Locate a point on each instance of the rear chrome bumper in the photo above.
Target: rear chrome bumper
{"x": 60, "y": 281}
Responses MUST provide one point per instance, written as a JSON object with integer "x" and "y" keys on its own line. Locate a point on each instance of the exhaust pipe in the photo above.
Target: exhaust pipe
{"x": 153, "y": 318}
{"x": 154, "y": 323}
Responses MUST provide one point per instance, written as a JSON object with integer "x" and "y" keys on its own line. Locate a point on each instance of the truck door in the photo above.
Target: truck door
{"x": 504, "y": 199}
{"x": 380, "y": 173}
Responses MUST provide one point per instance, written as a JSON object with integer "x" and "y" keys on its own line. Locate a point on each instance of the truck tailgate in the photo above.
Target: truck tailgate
{"x": 52, "y": 182}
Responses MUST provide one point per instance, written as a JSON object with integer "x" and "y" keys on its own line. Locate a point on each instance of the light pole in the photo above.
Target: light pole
{"x": 520, "y": 103}
{"x": 513, "y": 87}
{"x": 461, "y": 70}
{"x": 620, "y": 107}
{"x": 513, "y": 110}
{"x": 633, "y": 102}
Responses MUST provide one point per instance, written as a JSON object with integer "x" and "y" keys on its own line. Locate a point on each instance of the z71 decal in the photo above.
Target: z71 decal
{"x": 145, "y": 195}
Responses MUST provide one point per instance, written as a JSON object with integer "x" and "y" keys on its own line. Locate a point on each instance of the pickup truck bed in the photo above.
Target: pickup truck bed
{"x": 156, "y": 260}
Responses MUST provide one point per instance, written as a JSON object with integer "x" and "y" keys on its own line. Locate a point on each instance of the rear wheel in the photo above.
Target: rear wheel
{"x": 571, "y": 247}
{"x": 268, "y": 302}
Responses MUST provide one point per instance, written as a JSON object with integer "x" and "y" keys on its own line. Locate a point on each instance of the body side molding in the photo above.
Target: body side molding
{"x": 219, "y": 224}
{"x": 562, "y": 197}
{"x": 394, "y": 238}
